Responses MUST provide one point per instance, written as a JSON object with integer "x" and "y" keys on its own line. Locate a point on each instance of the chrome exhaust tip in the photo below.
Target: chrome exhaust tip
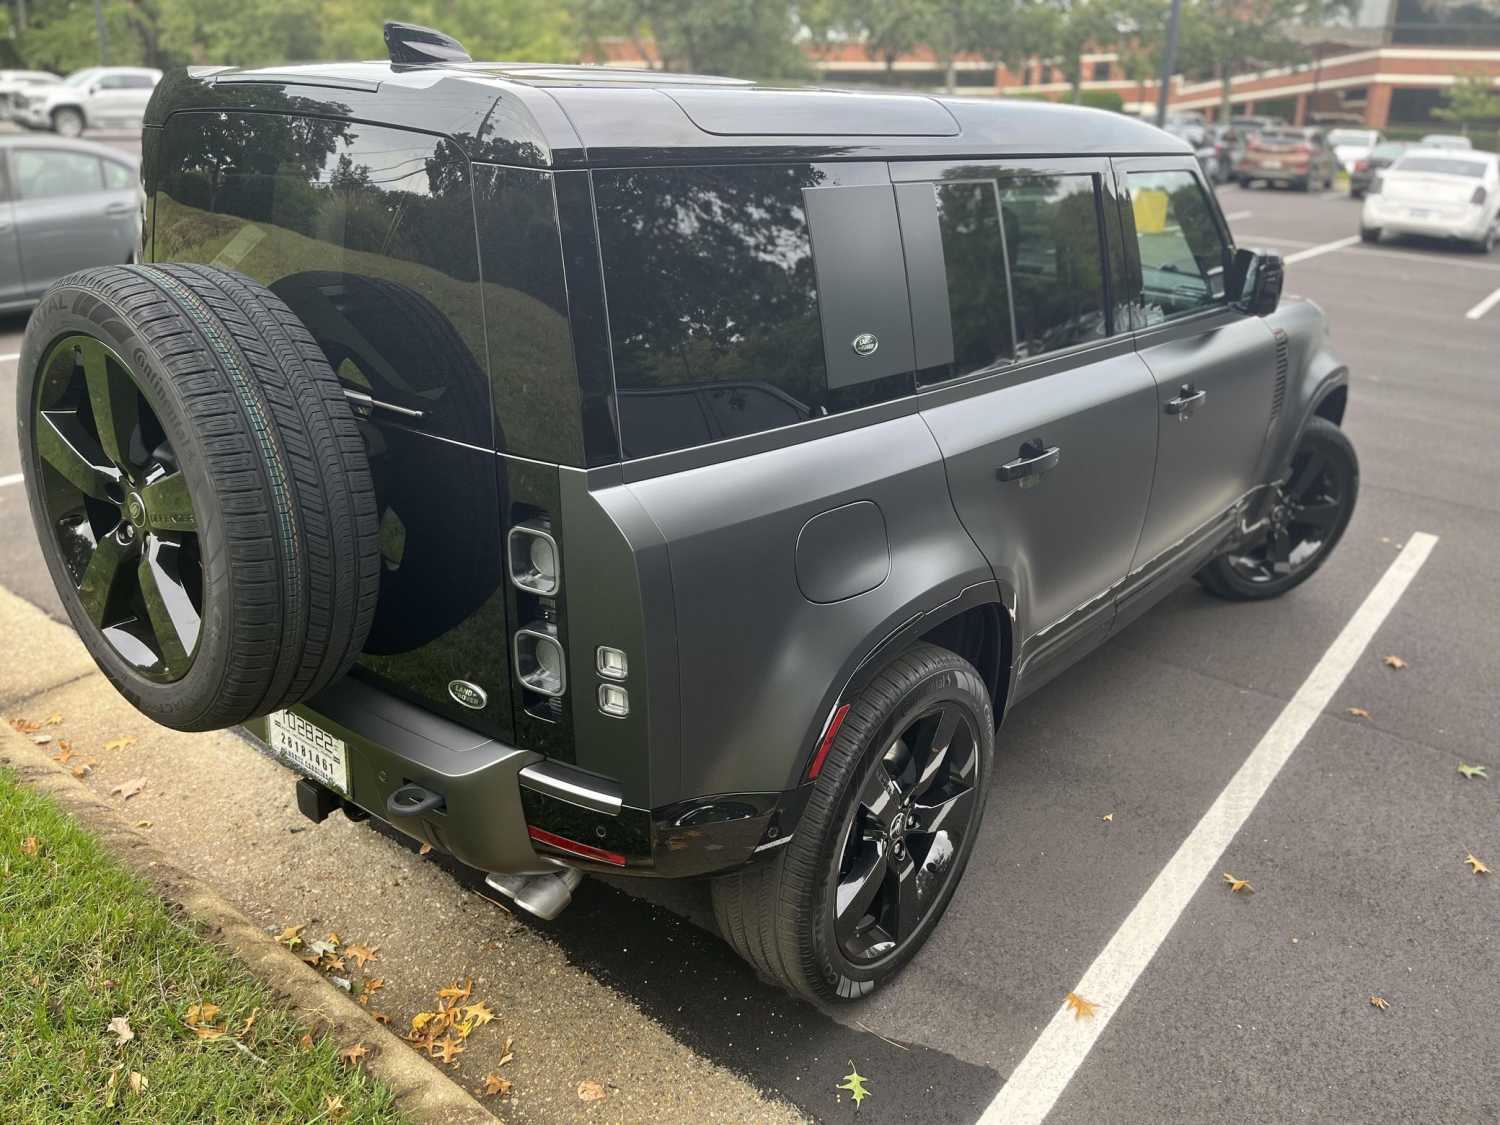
{"x": 545, "y": 896}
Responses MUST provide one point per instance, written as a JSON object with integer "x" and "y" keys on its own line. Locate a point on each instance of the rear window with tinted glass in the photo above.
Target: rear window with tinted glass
{"x": 713, "y": 305}
{"x": 1442, "y": 165}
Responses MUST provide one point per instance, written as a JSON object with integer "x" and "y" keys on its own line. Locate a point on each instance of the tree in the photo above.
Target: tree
{"x": 748, "y": 38}
{"x": 1471, "y": 98}
{"x": 1226, "y": 37}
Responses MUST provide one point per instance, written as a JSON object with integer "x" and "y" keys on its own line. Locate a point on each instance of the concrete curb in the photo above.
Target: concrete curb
{"x": 422, "y": 1092}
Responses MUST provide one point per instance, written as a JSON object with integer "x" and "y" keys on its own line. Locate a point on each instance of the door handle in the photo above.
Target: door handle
{"x": 1186, "y": 401}
{"x": 1036, "y": 458}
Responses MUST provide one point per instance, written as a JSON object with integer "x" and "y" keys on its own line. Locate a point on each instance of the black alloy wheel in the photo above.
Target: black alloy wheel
{"x": 1307, "y": 515}
{"x": 116, "y": 504}
{"x": 900, "y": 840}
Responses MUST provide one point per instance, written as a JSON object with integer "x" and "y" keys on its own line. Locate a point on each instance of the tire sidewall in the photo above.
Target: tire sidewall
{"x": 75, "y": 310}
{"x": 953, "y": 683}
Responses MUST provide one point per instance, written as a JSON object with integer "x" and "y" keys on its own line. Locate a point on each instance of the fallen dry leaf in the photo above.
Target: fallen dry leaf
{"x": 25, "y": 726}
{"x": 319, "y": 949}
{"x": 30, "y": 846}
{"x": 249, "y": 1022}
{"x": 362, "y": 953}
{"x": 453, "y": 992}
{"x": 291, "y": 936}
{"x": 372, "y": 986}
{"x": 1358, "y": 712}
{"x": 83, "y": 769}
{"x": 119, "y": 1027}
{"x": 65, "y": 754}
{"x": 446, "y": 1049}
{"x": 1108, "y": 818}
{"x": 352, "y": 1055}
{"x": 1082, "y": 1009}
{"x": 1477, "y": 864}
{"x": 1471, "y": 772}
{"x": 424, "y": 849}
{"x": 333, "y": 1105}
{"x": 464, "y": 1030}
{"x": 494, "y": 1084}
{"x": 1394, "y": 662}
{"x": 122, "y": 743}
{"x": 590, "y": 1091}
{"x": 201, "y": 1014}
{"x": 128, "y": 789}
{"x": 1237, "y": 885}
{"x": 53, "y": 719}
{"x": 306, "y": 1042}
{"x": 138, "y": 1082}
{"x": 478, "y": 1013}
{"x": 142, "y": 824}
{"x": 1379, "y": 1002}
{"x": 333, "y": 937}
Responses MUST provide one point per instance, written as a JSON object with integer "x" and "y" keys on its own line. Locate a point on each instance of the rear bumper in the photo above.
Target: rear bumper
{"x": 1469, "y": 225}
{"x": 511, "y": 811}
{"x": 1276, "y": 175}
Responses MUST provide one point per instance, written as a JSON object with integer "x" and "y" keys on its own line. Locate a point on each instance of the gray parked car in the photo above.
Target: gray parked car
{"x": 659, "y": 475}
{"x": 65, "y": 205}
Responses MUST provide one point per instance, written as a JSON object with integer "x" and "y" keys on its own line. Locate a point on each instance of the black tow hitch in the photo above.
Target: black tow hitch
{"x": 318, "y": 803}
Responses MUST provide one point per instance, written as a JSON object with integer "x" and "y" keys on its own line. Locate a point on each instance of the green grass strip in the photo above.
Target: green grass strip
{"x": 83, "y": 941}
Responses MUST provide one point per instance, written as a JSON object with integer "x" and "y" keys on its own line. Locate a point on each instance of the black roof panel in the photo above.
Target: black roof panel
{"x": 577, "y": 116}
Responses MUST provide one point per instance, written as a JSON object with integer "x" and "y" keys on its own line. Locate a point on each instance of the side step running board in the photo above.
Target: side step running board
{"x": 546, "y": 896}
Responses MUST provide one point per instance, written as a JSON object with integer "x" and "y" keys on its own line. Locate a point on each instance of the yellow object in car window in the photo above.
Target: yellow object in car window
{"x": 1150, "y": 206}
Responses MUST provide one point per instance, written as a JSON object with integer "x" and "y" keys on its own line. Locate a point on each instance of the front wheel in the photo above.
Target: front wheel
{"x": 1308, "y": 517}
{"x": 67, "y": 122}
{"x": 882, "y": 844}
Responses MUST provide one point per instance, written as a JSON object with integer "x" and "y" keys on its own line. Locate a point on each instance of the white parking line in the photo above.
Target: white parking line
{"x": 1484, "y": 306}
{"x": 1236, "y": 216}
{"x": 14, "y": 478}
{"x": 1035, "y": 1085}
{"x": 1325, "y": 248}
{"x": 1274, "y": 239}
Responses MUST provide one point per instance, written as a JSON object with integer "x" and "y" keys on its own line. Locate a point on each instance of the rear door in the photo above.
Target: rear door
{"x": 65, "y": 218}
{"x": 12, "y": 286}
{"x": 1045, "y": 414}
{"x": 1215, "y": 367}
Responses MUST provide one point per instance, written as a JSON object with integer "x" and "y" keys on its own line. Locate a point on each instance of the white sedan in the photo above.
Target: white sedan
{"x": 1440, "y": 193}
{"x": 1351, "y": 146}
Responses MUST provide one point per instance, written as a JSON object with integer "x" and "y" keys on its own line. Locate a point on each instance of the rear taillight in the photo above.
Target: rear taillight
{"x": 1302, "y": 150}
{"x": 1361, "y": 165}
{"x": 1479, "y": 196}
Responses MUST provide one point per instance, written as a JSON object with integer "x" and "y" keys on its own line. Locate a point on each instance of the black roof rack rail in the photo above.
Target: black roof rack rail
{"x": 411, "y": 45}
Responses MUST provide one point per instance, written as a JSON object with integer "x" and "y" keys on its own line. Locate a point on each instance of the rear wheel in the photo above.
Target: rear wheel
{"x": 67, "y": 122}
{"x": 1491, "y": 239}
{"x": 1369, "y": 234}
{"x": 883, "y": 841}
{"x": 199, "y": 488}
{"x": 1306, "y": 521}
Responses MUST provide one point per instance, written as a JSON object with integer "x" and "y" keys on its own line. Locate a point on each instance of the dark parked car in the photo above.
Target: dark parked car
{"x": 657, "y": 475}
{"x": 1299, "y": 158}
{"x": 1367, "y": 169}
{"x": 64, "y": 206}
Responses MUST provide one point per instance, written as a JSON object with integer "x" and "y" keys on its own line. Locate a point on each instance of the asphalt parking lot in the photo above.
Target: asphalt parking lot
{"x": 1230, "y": 1007}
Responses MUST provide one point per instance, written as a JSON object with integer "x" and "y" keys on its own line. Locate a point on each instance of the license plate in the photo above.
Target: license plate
{"x": 310, "y": 749}
{"x": 1418, "y": 213}
{"x": 1273, "y": 164}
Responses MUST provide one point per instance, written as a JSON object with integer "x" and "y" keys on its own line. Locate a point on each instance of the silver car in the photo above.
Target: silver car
{"x": 14, "y": 82}
{"x": 99, "y": 97}
{"x": 65, "y": 205}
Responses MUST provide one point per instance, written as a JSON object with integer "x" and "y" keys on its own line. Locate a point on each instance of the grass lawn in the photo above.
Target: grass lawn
{"x": 82, "y": 942}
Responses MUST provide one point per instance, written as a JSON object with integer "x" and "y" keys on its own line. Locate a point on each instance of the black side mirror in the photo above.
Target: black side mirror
{"x": 1254, "y": 283}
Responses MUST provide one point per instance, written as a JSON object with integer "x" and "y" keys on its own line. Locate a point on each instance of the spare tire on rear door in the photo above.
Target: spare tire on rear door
{"x": 200, "y": 489}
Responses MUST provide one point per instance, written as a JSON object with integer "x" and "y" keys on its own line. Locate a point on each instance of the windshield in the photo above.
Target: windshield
{"x": 1446, "y": 140}
{"x": 1351, "y": 137}
{"x": 79, "y": 77}
{"x": 1388, "y": 151}
{"x": 1443, "y": 165}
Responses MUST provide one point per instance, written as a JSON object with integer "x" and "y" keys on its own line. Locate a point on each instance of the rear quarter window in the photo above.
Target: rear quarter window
{"x": 714, "y": 309}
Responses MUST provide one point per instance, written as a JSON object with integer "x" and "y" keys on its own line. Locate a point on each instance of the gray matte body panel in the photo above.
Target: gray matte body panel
{"x": 760, "y": 665}
{"x": 1069, "y": 537}
{"x": 1207, "y": 460}
{"x": 843, "y": 553}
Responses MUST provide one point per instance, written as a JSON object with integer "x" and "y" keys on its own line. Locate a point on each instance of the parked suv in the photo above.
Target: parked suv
{"x": 101, "y": 97}
{"x": 13, "y": 82}
{"x": 1299, "y": 158}
{"x": 596, "y": 471}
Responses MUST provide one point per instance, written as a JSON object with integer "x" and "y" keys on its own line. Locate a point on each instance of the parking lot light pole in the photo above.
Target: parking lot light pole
{"x": 1168, "y": 62}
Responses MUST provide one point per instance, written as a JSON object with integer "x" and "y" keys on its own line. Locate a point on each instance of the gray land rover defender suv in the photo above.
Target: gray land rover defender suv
{"x": 584, "y": 470}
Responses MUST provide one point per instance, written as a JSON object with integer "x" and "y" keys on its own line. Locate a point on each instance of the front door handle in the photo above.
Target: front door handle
{"x": 1036, "y": 458}
{"x": 1186, "y": 401}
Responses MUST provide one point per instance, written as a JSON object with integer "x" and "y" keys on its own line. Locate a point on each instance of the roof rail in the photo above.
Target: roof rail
{"x": 411, "y": 45}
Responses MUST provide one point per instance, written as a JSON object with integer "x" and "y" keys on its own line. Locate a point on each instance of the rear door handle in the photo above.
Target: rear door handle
{"x": 1036, "y": 458}
{"x": 1186, "y": 401}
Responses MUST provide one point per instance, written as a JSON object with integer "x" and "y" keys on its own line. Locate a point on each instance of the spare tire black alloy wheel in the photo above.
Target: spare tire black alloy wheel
{"x": 118, "y": 508}
{"x": 200, "y": 490}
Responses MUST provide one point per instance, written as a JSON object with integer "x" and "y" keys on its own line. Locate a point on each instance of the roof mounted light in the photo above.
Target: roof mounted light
{"x": 409, "y": 44}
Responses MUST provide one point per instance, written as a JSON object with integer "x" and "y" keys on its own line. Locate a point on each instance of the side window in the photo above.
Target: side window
{"x": 1056, "y": 271}
{"x": 714, "y": 311}
{"x": 974, "y": 260}
{"x": 1182, "y": 253}
{"x": 139, "y": 82}
{"x": 117, "y": 176}
{"x": 50, "y": 173}
{"x": 112, "y": 82}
